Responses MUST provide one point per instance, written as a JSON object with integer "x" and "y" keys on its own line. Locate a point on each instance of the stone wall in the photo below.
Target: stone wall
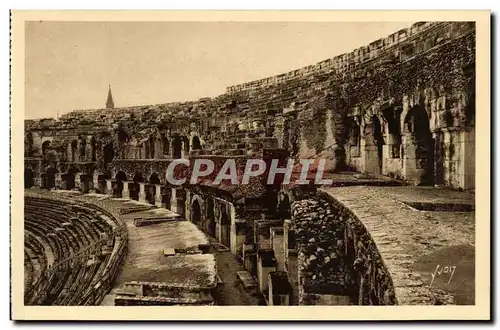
{"x": 309, "y": 112}
{"x": 337, "y": 259}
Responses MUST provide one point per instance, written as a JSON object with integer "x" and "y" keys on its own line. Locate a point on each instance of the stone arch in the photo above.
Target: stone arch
{"x": 420, "y": 157}
{"x": 177, "y": 147}
{"x": 29, "y": 178}
{"x": 196, "y": 143}
{"x": 210, "y": 216}
{"x": 134, "y": 192}
{"x": 108, "y": 153}
{"x": 196, "y": 212}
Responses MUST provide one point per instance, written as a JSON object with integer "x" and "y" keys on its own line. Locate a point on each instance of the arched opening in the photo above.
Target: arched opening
{"x": 109, "y": 154}
{"x": 93, "y": 149}
{"x": 120, "y": 179}
{"x": 196, "y": 143}
{"x": 151, "y": 142}
{"x": 45, "y": 147}
{"x": 101, "y": 183}
{"x": 196, "y": 213}
{"x": 134, "y": 192}
{"x": 210, "y": 217}
{"x": 378, "y": 139}
{"x": 29, "y": 178}
{"x": 151, "y": 192}
{"x": 225, "y": 227}
{"x": 69, "y": 179}
{"x": 417, "y": 125}
{"x": 50, "y": 178}
{"x": 83, "y": 150}
{"x": 284, "y": 208}
{"x": 73, "y": 151}
{"x": 392, "y": 117}
{"x": 176, "y": 147}
{"x": 166, "y": 147}
{"x": 186, "y": 145}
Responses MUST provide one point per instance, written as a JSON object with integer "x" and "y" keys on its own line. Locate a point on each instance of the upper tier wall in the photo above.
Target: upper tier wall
{"x": 400, "y": 45}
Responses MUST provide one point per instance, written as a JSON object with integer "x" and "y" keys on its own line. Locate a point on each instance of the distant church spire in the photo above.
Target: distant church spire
{"x": 109, "y": 102}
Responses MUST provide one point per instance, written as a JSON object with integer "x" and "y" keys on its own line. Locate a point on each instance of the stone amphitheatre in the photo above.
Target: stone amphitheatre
{"x": 393, "y": 119}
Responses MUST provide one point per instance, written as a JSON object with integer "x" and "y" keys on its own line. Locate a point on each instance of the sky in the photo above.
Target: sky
{"x": 69, "y": 65}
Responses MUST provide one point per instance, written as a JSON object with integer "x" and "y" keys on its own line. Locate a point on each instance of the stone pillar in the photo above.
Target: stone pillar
{"x": 171, "y": 148}
{"x": 158, "y": 195}
{"x": 77, "y": 153}
{"x": 109, "y": 186}
{"x": 158, "y": 149}
{"x": 409, "y": 162}
{"x": 126, "y": 191}
{"x": 187, "y": 203}
{"x": 142, "y": 192}
{"x": 58, "y": 180}
{"x": 95, "y": 181}
{"x": 369, "y": 155}
{"x": 183, "y": 153}
{"x": 173, "y": 200}
{"x": 37, "y": 181}
{"x": 468, "y": 159}
{"x": 78, "y": 181}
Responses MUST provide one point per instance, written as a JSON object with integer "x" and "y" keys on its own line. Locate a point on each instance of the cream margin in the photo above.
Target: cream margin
{"x": 480, "y": 311}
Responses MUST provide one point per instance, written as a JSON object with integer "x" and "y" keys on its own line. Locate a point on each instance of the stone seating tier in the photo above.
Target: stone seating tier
{"x": 69, "y": 238}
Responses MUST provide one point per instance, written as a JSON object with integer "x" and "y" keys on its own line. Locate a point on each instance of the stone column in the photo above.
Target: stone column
{"x": 126, "y": 191}
{"x": 158, "y": 201}
{"x": 109, "y": 186}
{"x": 142, "y": 192}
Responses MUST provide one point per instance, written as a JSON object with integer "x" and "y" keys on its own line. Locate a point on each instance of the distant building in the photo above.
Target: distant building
{"x": 109, "y": 102}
